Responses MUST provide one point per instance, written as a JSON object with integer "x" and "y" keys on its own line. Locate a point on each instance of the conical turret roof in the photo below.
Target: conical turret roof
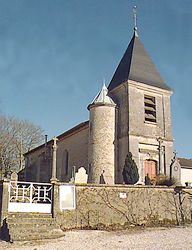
{"x": 102, "y": 97}
{"x": 137, "y": 65}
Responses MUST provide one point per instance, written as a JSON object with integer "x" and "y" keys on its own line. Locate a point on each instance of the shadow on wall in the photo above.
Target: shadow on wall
{"x": 1, "y": 195}
{"x": 4, "y": 231}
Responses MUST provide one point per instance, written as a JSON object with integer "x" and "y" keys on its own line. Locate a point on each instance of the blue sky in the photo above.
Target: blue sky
{"x": 54, "y": 55}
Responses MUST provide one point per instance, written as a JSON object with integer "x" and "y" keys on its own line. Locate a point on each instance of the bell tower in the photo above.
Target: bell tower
{"x": 144, "y": 125}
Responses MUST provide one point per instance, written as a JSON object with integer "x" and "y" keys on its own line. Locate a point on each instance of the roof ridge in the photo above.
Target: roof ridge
{"x": 61, "y": 136}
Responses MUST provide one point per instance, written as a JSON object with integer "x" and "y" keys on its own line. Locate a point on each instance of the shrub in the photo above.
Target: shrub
{"x": 130, "y": 170}
{"x": 164, "y": 180}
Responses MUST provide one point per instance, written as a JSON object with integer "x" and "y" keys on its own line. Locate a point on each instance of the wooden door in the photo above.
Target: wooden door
{"x": 150, "y": 168}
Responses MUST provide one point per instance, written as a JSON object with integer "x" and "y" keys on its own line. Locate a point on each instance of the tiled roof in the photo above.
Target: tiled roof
{"x": 185, "y": 163}
{"x": 64, "y": 135}
{"x": 137, "y": 65}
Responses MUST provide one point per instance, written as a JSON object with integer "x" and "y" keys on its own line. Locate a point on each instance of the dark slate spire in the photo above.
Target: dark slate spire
{"x": 137, "y": 65}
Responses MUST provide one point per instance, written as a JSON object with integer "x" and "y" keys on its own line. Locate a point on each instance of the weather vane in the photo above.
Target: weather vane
{"x": 135, "y": 17}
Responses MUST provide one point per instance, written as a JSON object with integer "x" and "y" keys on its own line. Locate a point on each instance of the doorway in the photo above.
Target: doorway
{"x": 150, "y": 169}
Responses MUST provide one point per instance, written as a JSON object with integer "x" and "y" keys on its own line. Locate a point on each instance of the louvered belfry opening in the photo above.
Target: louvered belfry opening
{"x": 150, "y": 108}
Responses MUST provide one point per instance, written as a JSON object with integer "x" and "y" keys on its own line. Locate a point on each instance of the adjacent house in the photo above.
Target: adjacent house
{"x": 186, "y": 170}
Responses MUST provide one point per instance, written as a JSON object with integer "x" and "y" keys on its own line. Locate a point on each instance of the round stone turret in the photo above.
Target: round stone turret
{"x": 101, "y": 151}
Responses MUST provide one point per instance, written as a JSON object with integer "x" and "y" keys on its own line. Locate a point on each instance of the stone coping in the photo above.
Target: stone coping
{"x": 117, "y": 185}
{"x": 113, "y": 186}
{"x": 93, "y": 185}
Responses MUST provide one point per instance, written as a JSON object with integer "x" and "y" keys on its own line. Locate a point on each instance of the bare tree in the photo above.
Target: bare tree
{"x": 16, "y": 138}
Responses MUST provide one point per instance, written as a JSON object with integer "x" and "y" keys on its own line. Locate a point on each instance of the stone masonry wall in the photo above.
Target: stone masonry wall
{"x": 101, "y": 142}
{"x": 119, "y": 96}
{"x": 137, "y": 124}
{"x": 121, "y": 206}
{"x": 145, "y": 131}
{"x": 133, "y": 130}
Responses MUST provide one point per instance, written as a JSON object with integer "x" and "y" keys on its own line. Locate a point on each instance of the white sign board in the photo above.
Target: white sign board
{"x": 122, "y": 195}
{"x": 67, "y": 197}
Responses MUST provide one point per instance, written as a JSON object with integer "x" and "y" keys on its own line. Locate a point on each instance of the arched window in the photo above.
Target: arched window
{"x": 66, "y": 162}
{"x": 43, "y": 170}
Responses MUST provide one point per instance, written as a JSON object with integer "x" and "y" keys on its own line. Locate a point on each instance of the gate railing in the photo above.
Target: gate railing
{"x": 30, "y": 197}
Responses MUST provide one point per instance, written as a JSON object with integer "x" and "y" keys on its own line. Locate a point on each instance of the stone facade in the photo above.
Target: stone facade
{"x": 134, "y": 116}
{"x": 72, "y": 151}
{"x": 138, "y": 136}
{"x": 77, "y": 147}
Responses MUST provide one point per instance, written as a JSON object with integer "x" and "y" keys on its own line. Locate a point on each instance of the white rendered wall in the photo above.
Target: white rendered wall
{"x": 186, "y": 175}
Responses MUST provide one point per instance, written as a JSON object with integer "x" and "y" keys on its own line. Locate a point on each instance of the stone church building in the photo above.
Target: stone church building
{"x": 132, "y": 115}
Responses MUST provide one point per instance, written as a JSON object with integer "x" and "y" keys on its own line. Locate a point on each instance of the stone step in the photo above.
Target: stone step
{"x": 25, "y": 227}
{"x": 37, "y": 236}
{"x": 29, "y": 215}
{"x": 34, "y": 231}
{"x": 30, "y": 220}
{"x": 32, "y": 226}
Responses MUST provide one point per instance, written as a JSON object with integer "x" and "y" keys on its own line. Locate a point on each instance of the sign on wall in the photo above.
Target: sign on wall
{"x": 122, "y": 195}
{"x": 67, "y": 197}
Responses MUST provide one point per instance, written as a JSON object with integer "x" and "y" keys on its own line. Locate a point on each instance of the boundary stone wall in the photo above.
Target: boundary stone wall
{"x": 121, "y": 206}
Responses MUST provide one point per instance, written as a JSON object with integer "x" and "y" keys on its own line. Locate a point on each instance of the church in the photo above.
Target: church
{"x": 132, "y": 114}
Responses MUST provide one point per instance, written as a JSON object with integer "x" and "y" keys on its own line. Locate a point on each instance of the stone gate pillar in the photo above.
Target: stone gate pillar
{"x": 4, "y": 199}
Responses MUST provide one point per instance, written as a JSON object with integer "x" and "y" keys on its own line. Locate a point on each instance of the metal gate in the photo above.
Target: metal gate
{"x": 30, "y": 197}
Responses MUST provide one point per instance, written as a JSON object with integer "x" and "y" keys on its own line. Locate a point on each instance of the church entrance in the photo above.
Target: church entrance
{"x": 150, "y": 169}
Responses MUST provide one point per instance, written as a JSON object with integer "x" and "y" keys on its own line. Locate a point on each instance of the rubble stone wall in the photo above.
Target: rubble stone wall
{"x": 121, "y": 205}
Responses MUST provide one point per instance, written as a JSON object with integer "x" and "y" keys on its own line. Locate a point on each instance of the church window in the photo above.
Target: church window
{"x": 150, "y": 108}
{"x": 66, "y": 161}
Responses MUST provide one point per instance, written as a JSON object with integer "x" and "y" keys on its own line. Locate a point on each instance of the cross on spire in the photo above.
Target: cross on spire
{"x": 103, "y": 81}
{"x": 135, "y": 19}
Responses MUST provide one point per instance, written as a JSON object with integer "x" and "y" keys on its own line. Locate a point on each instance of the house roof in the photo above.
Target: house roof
{"x": 185, "y": 163}
{"x": 137, "y": 65}
{"x": 63, "y": 136}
